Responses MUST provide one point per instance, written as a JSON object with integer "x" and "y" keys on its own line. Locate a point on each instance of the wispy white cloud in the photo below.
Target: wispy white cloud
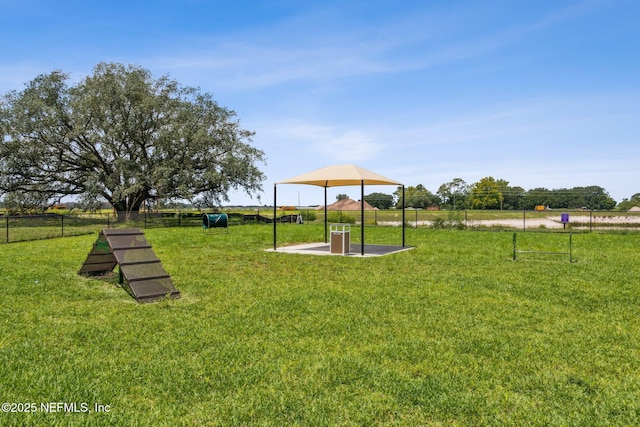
{"x": 349, "y": 146}
{"x": 424, "y": 39}
{"x": 250, "y": 66}
{"x": 325, "y": 144}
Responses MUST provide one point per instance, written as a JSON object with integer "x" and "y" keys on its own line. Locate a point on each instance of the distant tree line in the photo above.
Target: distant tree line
{"x": 491, "y": 193}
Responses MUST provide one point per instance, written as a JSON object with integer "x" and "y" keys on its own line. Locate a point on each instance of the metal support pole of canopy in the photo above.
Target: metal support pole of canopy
{"x": 275, "y": 198}
{"x": 325, "y": 214}
{"x": 403, "y": 221}
{"x": 362, "y": 217}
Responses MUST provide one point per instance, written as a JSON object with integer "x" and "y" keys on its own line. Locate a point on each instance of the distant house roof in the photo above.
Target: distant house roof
{"x": 348, "y": 205}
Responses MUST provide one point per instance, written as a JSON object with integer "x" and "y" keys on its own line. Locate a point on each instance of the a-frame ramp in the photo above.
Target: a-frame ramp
{"x": 100, "y": 260}
{"x": 145, "y": 277}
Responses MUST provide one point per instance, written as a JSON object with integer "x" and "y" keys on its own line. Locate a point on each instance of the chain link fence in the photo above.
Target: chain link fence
{"x": 35, "y": 227}
{"x": 583, "y": 220}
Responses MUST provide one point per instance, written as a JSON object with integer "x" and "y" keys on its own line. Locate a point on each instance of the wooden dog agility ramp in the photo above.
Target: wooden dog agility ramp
{"x": 146, "y": 279}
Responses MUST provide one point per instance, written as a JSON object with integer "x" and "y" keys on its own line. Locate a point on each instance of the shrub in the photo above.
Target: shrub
{"x": 438, "y": 223}
{"x": 308, "y": 215}
{"x": 453, "y": 221}
{"x": 339, "y": 217}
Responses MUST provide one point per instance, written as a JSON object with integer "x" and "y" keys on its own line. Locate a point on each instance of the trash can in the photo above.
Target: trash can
{"x": 340, "y": 234}
{"x": 213, "y": 220}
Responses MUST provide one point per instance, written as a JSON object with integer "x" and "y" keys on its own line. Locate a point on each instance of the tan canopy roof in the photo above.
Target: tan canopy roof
{"x": 340, "y": 175}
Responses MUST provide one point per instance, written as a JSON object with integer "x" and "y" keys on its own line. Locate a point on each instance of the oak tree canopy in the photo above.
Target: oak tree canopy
{"x": 122, "y": 136}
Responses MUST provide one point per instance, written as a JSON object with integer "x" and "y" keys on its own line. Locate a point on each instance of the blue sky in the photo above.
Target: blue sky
{"x": 538, "y": 93}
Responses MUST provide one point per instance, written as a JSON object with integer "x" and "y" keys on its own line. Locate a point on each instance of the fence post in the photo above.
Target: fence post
{"x": 524, "y": 221}
{"x": 570, "y": 248}
{"x": 590, "y": 218}
{"x": 62, "y": 225}
{"x": 7, "y": 217}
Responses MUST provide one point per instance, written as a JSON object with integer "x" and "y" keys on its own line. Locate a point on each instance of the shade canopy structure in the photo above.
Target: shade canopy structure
{"x": 339, "y": 176}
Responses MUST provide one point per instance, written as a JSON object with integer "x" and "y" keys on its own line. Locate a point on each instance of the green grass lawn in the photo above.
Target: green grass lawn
{"x": 453, "y": 332}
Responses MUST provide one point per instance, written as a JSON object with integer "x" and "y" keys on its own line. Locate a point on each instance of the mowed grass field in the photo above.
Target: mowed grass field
{"x": 453, "y": 332}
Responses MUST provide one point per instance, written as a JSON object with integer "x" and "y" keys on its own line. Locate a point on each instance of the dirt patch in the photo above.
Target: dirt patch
{"x": 551, "y": 222}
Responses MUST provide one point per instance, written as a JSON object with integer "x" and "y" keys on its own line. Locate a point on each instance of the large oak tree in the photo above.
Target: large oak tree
{"x": 122, "y": 136}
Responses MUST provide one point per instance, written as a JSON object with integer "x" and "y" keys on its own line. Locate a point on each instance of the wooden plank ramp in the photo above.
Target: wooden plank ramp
{"x": 140, "y": 269}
